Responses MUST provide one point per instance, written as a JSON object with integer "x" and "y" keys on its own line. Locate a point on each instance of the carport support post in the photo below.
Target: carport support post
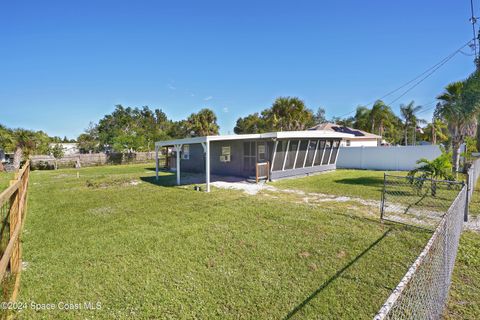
{"x": 206, "y": 148}
{"x": 156, "y": 163}
{"x": 177, "y": 149}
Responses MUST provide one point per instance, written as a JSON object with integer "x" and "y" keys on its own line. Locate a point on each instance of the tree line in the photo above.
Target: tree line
{"x": 455, "y": 120}
{"x": 129, "y": 129}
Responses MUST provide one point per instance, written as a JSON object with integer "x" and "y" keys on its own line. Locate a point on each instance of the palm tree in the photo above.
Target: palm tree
{"x": 461, "y": 117}
{"x": 22, "y": 140}
{"x": 380, "y": 115}
{"x": 436, "y": 131}
{"x": 288, "y": 114}
{"x": 409, "y": 114}
{"x": 203, "y": 123}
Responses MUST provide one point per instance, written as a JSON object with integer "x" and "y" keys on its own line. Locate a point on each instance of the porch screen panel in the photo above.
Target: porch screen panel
{"x": 302, "y": 152}
{"x": 312, "y": 146}
{"x": 292, "y": 151}
{"x": 318, "y": 158}
{"x": 279, "y": 155}
{"x": 328, "y": 150}
{"x": 248, "y": 156}
{"x": 334, "y": 151}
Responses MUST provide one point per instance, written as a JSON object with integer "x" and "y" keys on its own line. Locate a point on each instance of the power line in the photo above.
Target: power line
{"x": 427, "y": 73}
{"x": 473, "y": 20}
{"x": 427, "y": 76}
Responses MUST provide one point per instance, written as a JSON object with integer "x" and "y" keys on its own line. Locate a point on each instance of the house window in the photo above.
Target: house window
{"x": 226, "y": 151}
{"x": 226, "y": 154}
{"x": 262, "y": 152}
{"x": 186, "y": 152}
{"x": 348, "y": 143}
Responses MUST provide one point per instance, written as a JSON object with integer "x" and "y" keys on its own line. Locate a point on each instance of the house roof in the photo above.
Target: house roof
{"x": 269, "y": 135}
{"x": 356, "y": 133}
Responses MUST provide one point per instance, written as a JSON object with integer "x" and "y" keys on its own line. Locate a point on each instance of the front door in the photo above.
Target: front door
{"x": 249, "y": 158}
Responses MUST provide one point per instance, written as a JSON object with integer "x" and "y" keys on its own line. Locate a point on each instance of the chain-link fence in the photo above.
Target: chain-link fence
{"x": 423, "y": 291}
{"x": 417, "y": 201}
{"x": 438, "y": 205}
{"x": 473, "y": 174}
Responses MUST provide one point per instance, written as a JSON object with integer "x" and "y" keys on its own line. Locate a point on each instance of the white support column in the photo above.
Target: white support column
{"x": 315, "y": 154}
{"x": 156, "y": 163}
{"x": 323, "y": 151}
{"x": 178, "y": 147}
{"x": 206, "y": 148}
{"x": 274, "y": 154}
{"x": 285, "y": 156}
{"x": 296, "y": 155}
{"x": 331, "y": 150}
{"x": 338, "y": 151}
{"x": 306, "y": 153}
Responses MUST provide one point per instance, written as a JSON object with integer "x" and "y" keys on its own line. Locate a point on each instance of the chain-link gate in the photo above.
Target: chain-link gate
{"x": 419, "y": 202}
{"x": 437, "y": 205}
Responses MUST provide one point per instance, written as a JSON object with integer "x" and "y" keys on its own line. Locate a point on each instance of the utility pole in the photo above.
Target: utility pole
{"x": 473, "y": 21}
{"x": 434, "y": 134}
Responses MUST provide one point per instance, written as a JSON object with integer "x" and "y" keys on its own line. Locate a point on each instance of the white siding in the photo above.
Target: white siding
{"x": 360, "y": 143}
{"x": 385, "y": 158}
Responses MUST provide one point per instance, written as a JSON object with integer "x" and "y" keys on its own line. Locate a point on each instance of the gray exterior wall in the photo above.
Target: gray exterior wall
{"x": 232, "y": 168}
{"x": 196, "y": 163}
{"x": 241, "y": 165}
{"x": 301, "y": 171}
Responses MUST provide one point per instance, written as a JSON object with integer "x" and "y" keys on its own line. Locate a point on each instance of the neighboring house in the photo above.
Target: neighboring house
{"x": 288, "y": 153}
{"x": 359, "y": 139}
{"x": 68, "y": 148}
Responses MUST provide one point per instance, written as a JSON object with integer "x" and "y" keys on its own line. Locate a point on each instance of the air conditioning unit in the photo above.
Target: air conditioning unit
{"x": 225, "y": 158}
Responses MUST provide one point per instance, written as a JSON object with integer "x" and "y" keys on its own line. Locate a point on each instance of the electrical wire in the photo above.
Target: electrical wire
{"x": 473, "y": 20}
{"x": 427, "y": 73}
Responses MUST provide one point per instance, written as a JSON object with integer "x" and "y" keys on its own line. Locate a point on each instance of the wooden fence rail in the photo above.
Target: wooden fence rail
{"x": 13, "y": 203}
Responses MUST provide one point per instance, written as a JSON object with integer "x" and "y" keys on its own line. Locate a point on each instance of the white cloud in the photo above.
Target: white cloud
{"x": 225, "y": 109}
{"x": 208, "y": 98}
{"x": 171, "y": 87}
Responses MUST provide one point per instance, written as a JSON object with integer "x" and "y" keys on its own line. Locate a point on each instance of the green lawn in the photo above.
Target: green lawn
{"x": 464, "y": 300}
{"x": 364, "y": 184}
{"x": 465, "y": 288}
{"x": 4, "y": 180}
{"x": 475, "y": 202}
{"x": 155, "y": 251}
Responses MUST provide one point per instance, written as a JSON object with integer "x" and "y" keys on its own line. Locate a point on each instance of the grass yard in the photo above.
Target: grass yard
{"x": 364, "y": 184}
{"x": 4, "y": 180}
{"x": 155, "y": 251}
{"x": 475, "y": 203}
{"x": 464, "y": 302}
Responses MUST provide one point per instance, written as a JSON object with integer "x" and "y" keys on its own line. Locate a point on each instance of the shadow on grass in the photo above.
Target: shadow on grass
{"x": 168, "y": 178}
{"x": 363, "y": 181}
{"x": 335, "y": 276}
{"x": 163, "y": 180}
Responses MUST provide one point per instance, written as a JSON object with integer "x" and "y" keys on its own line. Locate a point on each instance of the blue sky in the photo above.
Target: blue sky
{"x": 66, "y": 63}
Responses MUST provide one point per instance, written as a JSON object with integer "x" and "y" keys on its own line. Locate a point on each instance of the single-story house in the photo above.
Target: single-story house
{"x": 69, "y": 148}
{"x": 271, "y": 156}
{"x": 359, "y": 138}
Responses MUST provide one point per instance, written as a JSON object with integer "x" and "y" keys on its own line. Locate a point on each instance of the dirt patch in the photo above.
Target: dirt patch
{"x": 248, "y": 188}
{"x": 101, "y": 211}
{"x": 473, "y": 224}
{"x": 120, "y": 182}
{"x": 304, "y": 254}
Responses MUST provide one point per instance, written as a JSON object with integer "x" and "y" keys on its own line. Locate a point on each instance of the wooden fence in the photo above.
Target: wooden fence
{"x": 13, "y": 209}
{"x": 47, "y": 162}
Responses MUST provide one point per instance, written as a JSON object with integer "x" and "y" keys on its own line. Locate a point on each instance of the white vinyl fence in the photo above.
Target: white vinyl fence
{"x": 397, "y": 158}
